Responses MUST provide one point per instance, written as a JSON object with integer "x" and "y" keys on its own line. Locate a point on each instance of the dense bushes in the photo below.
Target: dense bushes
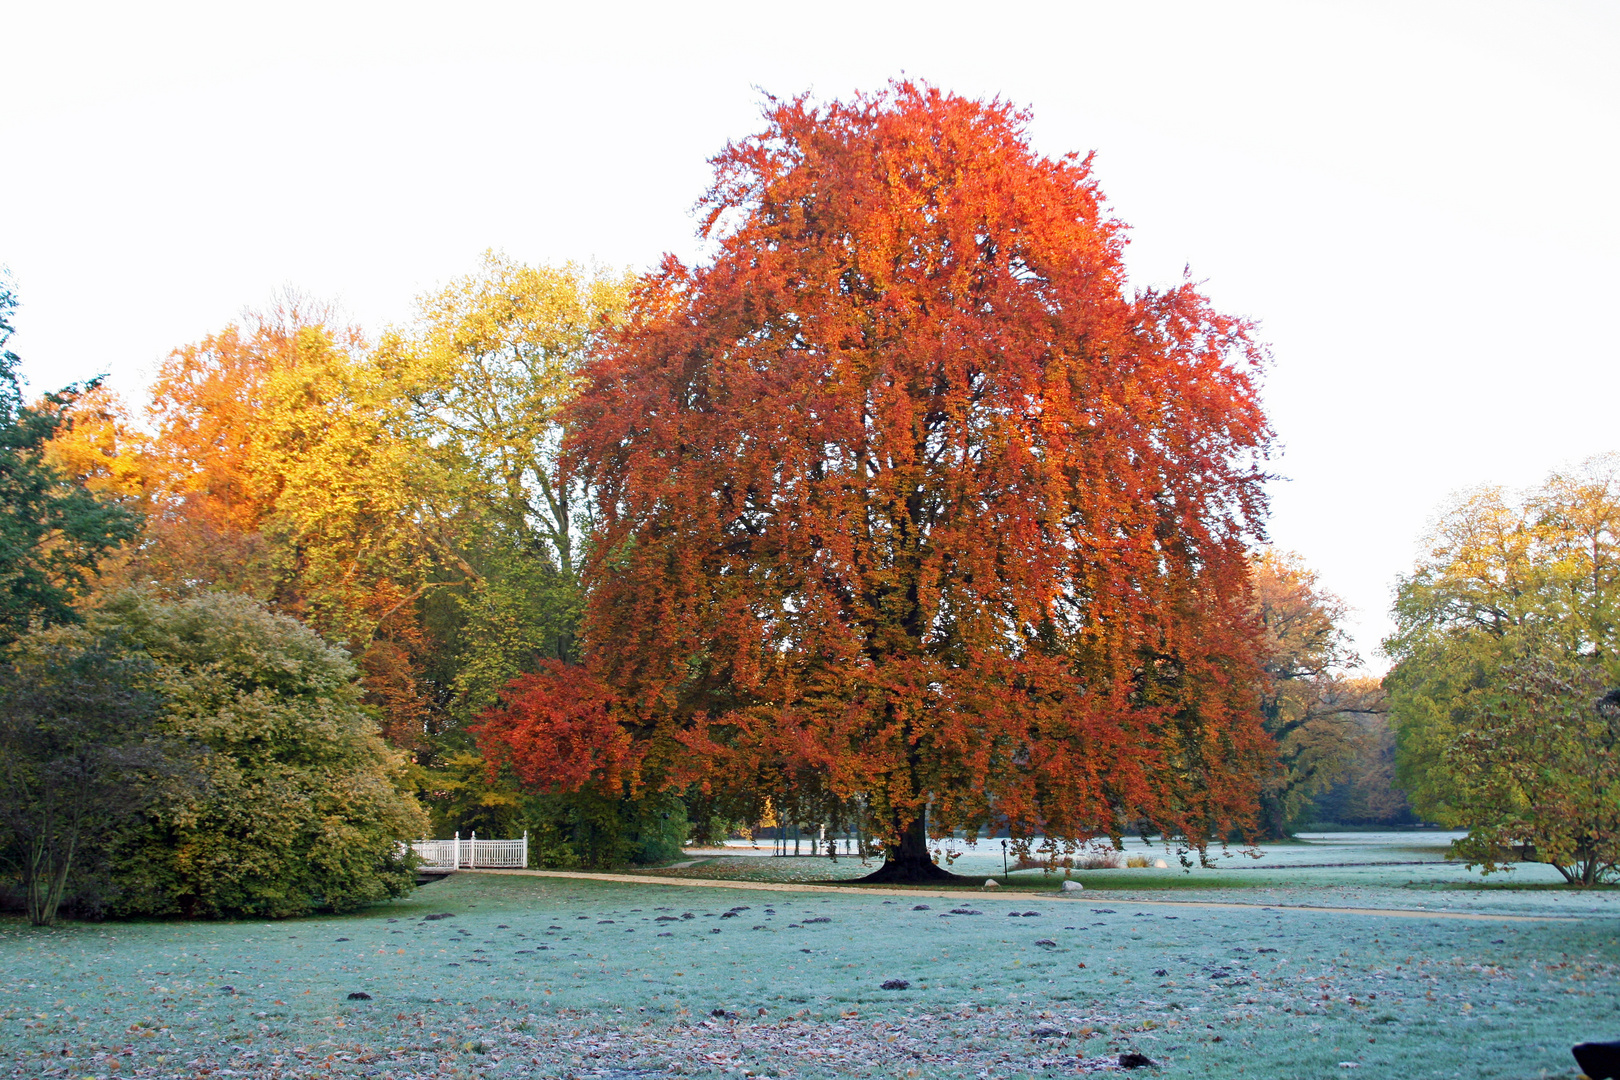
{"x": 79, "y": 755}
{"x": 593, "y": 831}
{"x": 586, "y": 829}
{"x": 300, "y": 804}
{"x": 292, "y": 803}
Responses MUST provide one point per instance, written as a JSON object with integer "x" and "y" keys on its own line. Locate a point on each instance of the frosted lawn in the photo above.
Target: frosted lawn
{"x": 553, "y": 977}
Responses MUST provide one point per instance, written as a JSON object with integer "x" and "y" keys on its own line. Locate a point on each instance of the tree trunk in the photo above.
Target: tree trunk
{"x": 32, "y": 874}
{"x": 909, "y": 862}
{"x": 1271, "y": 824}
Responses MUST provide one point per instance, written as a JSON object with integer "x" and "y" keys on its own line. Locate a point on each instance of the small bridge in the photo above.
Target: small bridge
{"x": 448, "y": 856}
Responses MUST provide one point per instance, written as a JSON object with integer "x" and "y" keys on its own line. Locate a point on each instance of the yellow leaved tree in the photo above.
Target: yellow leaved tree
{"x": 485, "y": 372}
{"x": 1507, "y": 650}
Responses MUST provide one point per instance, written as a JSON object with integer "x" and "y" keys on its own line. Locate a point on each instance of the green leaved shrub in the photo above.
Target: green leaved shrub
{"x": 591, "y": 830}
{"x": 299, "y": 806}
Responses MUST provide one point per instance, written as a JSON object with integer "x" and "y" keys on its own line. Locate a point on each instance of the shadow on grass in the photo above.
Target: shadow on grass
{"x": 1424, "y": 876}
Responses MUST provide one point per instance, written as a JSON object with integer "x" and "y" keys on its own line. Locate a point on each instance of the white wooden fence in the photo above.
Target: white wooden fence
{"x": 444, "y": 856}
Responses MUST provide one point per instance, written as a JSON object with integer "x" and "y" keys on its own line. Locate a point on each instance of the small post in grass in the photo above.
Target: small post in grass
{"x": 1004, "y": 875}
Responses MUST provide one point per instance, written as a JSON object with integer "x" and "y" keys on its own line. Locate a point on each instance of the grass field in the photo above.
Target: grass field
{"x": 549, "y": 977}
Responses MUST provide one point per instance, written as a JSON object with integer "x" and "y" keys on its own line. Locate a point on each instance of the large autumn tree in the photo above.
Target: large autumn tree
{"x": 906, "y": 503}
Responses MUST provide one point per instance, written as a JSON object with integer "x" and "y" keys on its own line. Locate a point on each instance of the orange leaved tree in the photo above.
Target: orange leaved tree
{"x": 904, "y": 503}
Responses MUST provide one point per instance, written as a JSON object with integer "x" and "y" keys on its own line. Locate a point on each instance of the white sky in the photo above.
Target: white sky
{"x": 1418, "y": 201}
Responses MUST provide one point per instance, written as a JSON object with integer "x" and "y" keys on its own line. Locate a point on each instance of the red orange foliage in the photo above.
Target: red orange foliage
{"x": 558, "y": 729}
{"x": 903, "y": 499}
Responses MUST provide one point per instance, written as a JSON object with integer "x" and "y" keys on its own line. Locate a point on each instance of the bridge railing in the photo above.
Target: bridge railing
{"x": 444, "y": 856}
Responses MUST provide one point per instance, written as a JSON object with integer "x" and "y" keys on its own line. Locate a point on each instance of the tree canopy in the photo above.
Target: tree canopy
{"x": 908, "y": 508}
{"x": 483, "y": 377}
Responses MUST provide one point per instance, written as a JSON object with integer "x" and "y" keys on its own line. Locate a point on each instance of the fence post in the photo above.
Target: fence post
{"x": 456, "y": 865}
{"x": 525, "y": 849}
{"x": 472, "y": 853}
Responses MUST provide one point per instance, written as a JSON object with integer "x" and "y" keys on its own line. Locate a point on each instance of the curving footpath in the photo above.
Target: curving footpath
{"x": 957, "y": 894}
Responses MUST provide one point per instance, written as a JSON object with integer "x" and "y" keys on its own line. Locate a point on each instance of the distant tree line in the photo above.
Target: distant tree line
{"x": 1335, "y": 746}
